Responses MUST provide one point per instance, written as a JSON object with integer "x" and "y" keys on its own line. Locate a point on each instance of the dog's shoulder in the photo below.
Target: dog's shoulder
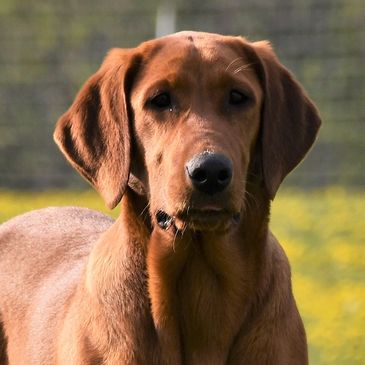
{"x": 48, "y": 235}
{"x": 59, "y": 218}
{"x": 49, "y": 223}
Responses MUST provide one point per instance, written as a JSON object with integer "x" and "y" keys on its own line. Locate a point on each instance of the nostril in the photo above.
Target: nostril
{"x": 223, "y": 176}
{"x": 199, "y": 175}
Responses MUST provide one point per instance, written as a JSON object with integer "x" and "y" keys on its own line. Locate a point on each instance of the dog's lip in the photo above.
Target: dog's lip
{"x": 208, "y": 212}
{"x": 206, "y": 218}
{"x": 209, "y": 208}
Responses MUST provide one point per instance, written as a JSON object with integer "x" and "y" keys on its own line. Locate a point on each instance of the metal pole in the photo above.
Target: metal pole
{"x": 165, "y": 18}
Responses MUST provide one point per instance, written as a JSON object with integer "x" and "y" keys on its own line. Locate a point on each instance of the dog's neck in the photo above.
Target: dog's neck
{"x": 197, "y": 287}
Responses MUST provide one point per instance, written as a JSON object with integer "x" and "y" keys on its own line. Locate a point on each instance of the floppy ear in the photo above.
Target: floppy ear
{"x": 290, "y": 121}
{"x": 94, "y": 133}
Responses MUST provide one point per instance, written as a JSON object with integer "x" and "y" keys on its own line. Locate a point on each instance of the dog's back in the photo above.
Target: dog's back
{"x": 42, "y": 255}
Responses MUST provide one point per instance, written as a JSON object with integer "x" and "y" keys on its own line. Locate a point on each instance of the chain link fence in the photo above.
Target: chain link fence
{"x": 49, "y": 48}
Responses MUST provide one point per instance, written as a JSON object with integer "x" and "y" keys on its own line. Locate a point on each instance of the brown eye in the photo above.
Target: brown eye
{"x": 161, "y": 101}
{"x": 238, "y": 98}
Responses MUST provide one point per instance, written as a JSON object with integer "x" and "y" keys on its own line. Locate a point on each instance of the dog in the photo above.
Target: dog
{"x": 192, "y": 134}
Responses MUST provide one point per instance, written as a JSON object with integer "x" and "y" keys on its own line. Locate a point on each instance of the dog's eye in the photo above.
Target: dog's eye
{"x": 161, "y": 101}
{"x": 238, "y": 98}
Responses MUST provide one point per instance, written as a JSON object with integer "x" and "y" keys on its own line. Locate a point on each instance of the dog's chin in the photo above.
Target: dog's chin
{"x": 205, "y": 220}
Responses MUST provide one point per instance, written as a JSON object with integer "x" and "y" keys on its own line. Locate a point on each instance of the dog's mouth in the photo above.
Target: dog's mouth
{"x": 204, "y": 220}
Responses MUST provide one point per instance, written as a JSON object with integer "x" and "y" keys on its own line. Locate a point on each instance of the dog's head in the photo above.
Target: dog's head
{"x": 183, "y": 119}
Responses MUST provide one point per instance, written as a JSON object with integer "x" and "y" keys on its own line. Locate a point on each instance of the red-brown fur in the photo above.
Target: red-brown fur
{"x": 78, "y": 289}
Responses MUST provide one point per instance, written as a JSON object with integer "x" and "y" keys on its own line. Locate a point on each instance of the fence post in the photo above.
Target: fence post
{"x": 165, "y": 18}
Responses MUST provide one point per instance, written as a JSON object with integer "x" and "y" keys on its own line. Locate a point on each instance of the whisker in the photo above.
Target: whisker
{"x": 234, "y": 61}
{"x": 174, "y": 240}
{"x": 144, "y": 209}
{"x": 187, "y": 241}
{"x": 251, "y": 199}
{"x": 243, "y": 67}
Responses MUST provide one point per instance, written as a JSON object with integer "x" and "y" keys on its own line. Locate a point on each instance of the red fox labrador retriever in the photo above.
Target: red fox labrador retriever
{"x": 193, "y": 134}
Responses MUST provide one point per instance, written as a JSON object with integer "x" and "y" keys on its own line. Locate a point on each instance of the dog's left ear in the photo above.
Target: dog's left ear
{"x": 290, "y": 121}
{"x": 94, "y": 133}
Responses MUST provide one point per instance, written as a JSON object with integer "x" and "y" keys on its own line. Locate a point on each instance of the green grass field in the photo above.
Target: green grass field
{"x": 323, "y": 233}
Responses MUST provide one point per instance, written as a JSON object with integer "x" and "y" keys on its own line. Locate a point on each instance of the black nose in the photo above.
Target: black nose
{"x": 209, "y": 172}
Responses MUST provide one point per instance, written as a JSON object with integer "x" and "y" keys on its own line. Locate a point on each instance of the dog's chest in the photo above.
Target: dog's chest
{"x": 210, "y": 312}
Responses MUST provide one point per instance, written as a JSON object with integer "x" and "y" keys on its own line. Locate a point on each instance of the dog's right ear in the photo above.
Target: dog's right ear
{"x": 94, "y": 134}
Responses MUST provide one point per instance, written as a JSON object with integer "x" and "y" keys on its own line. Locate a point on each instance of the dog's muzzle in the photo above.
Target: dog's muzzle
{"x": 197, "y": 221}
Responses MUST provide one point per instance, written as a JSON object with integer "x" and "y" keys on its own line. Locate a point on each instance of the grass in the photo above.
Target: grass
{"x": 323, "y": 233}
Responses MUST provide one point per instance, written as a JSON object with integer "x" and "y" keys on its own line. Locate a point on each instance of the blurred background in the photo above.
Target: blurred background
{"x": 49, "y": 48}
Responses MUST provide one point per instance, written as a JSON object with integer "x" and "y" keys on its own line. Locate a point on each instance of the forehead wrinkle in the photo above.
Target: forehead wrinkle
{"x": 184, "y": 61}
{"x": 224, "y": 58}
{"x": 189, "y": 61}
{"x": 195, "y": 52}
{"x": 173, "y": 80}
